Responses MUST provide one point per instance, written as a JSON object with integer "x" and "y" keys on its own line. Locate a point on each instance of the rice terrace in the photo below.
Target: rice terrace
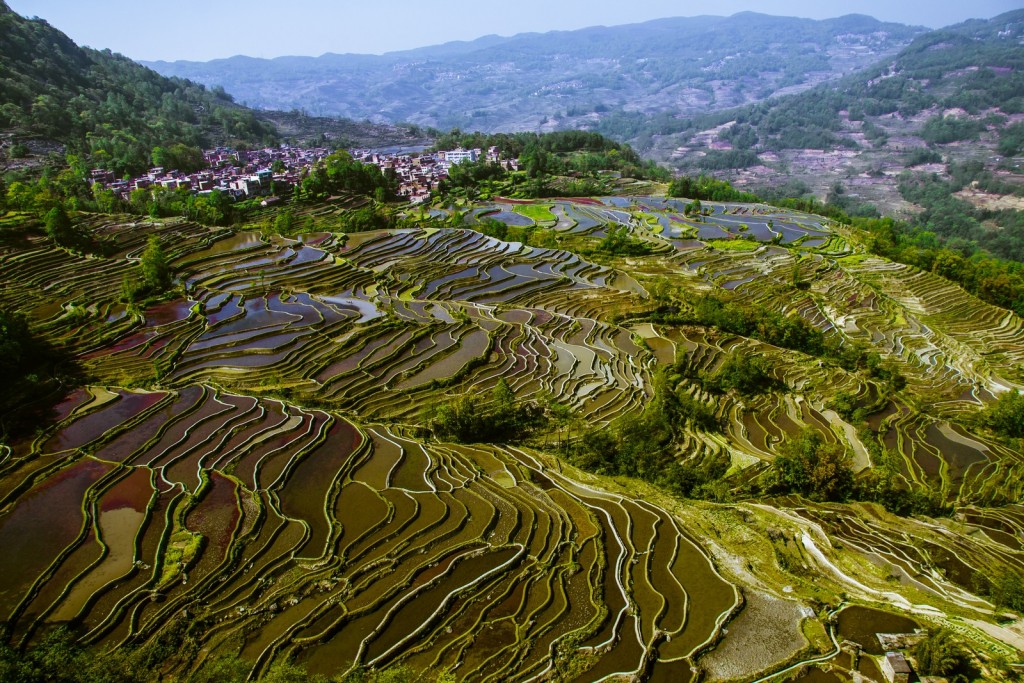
{"x": 688, "y": 350}
{"x": 272, "y": 466}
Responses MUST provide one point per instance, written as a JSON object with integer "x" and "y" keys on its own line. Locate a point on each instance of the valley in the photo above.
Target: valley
{"x": 296, "y": 398}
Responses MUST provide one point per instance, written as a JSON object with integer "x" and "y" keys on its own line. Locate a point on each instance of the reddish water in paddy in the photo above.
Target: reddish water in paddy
{"x": 216, "y": 516}
{"x": 122, "y": 513}
{"x": 110, "y": 416}
{"x": 41, "y": 524}
{"x": 128, "y": 442}
{"x": 167, "y": 313}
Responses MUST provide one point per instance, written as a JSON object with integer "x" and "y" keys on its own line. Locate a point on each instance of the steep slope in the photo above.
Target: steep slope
{"x": 112, "y": 111}
{"x": 254, "y": 478}
{"x": 104, "y": 105}
{"x": 562, "y": 78}
{"x": 952, "y": 96}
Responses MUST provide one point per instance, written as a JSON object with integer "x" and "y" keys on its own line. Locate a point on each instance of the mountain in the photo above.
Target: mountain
{"x": 104, "y": 105}
{"x": 562, "y": 78}
{"x": 55, "y": 95}
{"x": 947, "y": 108}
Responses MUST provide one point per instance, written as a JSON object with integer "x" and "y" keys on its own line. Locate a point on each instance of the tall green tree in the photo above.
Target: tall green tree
{"x": 814, "y": 468}
{"x": 941, "y": 654}
{"x": 1006, "y": 415}
{"x": 156, "y": 269}
{"x": 59, "y": 227}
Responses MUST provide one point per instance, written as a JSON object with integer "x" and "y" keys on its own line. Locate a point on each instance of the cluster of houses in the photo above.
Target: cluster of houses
{"x": 248, "y": 174}
{"x": 419, "y": 174}
{"x": 238, "y": 173}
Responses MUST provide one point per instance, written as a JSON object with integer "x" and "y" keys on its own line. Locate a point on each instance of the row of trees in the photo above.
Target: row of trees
{"x": 58, "y": 190}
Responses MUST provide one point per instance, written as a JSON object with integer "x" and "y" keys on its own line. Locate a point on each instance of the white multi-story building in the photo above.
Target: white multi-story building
{"x": 457, "y": 156}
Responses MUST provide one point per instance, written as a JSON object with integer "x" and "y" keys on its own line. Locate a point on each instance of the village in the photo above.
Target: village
{"x": 267, "y": 172}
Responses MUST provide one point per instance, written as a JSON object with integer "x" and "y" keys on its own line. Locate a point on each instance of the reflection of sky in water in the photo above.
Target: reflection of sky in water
{"x": 510, "y": 218}
{"x": 710, "y": 232}
{"x": 367, "y": 309}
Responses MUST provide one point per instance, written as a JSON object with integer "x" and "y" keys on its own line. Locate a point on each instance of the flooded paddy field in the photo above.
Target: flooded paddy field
{"x": 250, "y": 454}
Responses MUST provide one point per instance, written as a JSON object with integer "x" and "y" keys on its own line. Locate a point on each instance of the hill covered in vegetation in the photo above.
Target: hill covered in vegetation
{"x": 975, "y": 67}
{"x": 111, "y": 112}
{"x": 104, "y": 106}
{"x": 936, "y": 129}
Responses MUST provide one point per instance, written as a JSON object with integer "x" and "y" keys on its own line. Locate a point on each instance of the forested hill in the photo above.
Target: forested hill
{"x": 103, "y": 105}
{"x": 563, "y": 79}
{"x": 934, "y": 135}
{"x": 974, "y": 66}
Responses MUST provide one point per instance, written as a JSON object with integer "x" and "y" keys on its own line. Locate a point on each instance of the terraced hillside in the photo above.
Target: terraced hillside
{"x": 250, "y": 472}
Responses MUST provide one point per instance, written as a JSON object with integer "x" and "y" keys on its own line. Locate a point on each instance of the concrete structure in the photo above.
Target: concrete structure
{"x": 895, "y": 668}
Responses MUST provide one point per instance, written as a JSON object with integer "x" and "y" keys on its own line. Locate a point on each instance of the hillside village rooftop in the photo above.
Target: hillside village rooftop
{"x": 246, "y": 174}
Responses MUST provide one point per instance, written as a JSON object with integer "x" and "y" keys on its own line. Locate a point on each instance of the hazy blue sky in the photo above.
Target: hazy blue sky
{"x": 207, "y": 29}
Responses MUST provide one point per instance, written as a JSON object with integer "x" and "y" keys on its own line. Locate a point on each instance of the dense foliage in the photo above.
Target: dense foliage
{"x": 340, "y": 173}
{"x": 1006, "y": 415}
{"x": 956, "y": 221}
{"x": 30, "y": 370}
{"x": 941, "y": 653}
{"x": 645, "y": 446}
{"x": 63, "y": 233}
{"x": 619, "y": 242}
{"x": 474, "y": 419}
{"x": 541, "y": 155}
{"x": 151, "y": 278}
{"x": 107, "y": 108}
{"x": 974, "y": 66}
{"x": 810, "y": 466}
{"x": 708, "y": 189}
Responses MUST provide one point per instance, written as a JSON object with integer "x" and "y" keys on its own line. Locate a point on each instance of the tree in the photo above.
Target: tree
{"x": 284, "y": 223}
{"x": 1006, "y": 589}
{"x": 179, "y": 157}
{"x": 1006, "y": 415}
{"x": 59, "y": 228}
{"x": 746, "y": 373}
{"x": 471, "y": 420}
{"x": 156, "y": 271}
{"x": 809, "y": 466}
{"x": 941, "y": 654}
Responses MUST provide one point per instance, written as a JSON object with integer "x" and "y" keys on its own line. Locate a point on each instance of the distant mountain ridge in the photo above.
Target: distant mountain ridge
{"x": 563, "y": 78}
{"x": 939, "y": 127}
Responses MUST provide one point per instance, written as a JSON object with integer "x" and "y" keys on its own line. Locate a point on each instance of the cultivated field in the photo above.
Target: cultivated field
{"x": 249, "y": 460}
